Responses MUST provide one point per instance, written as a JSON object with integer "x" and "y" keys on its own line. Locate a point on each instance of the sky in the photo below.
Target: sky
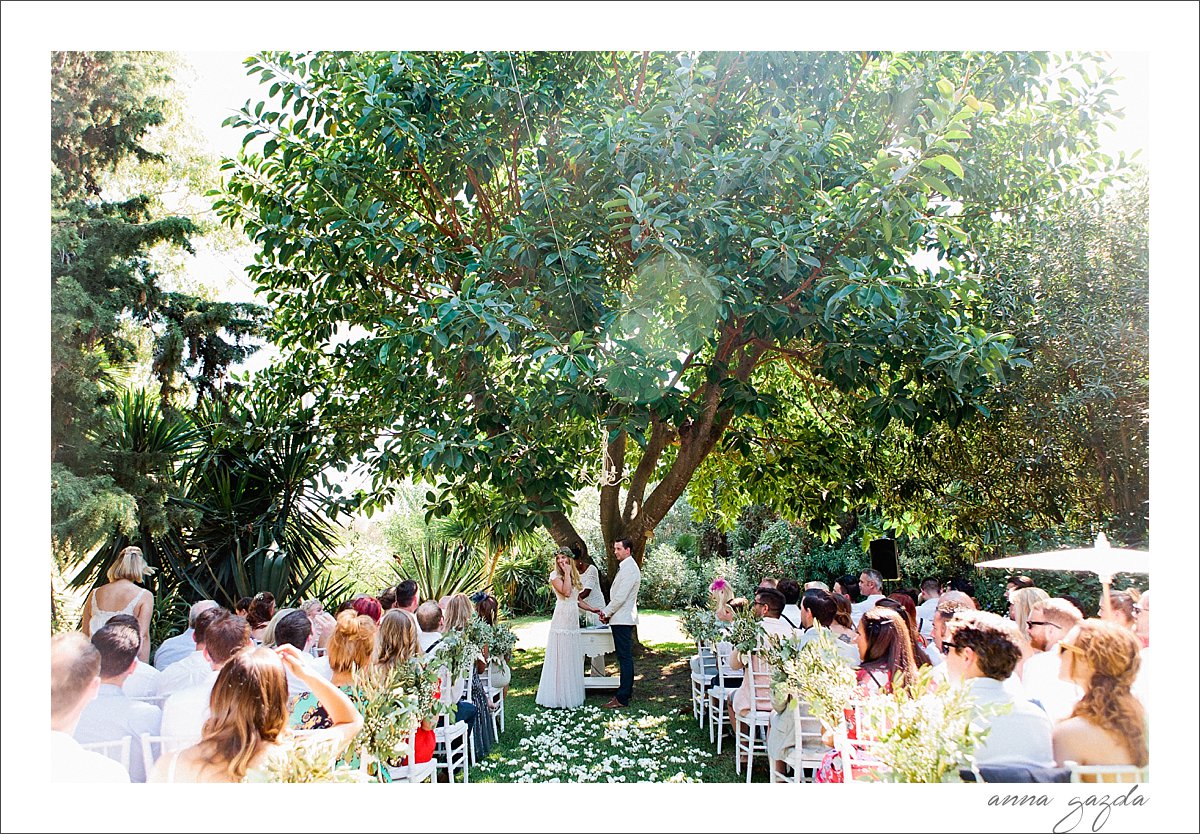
{"x": 1161, "y": 40}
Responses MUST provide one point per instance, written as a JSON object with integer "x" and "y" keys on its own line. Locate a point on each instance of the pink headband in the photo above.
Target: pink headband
{"x": 719, "y": 584}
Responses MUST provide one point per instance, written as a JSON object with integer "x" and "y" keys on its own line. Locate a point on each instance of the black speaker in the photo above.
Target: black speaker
{"x": 883, "y": 558}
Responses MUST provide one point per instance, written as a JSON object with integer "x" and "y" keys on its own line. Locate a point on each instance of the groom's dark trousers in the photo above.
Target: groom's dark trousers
{"x": 623, "y": 645}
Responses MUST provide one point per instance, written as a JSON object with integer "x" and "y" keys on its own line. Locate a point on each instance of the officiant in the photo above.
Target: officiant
{"x": 594, "y": 596}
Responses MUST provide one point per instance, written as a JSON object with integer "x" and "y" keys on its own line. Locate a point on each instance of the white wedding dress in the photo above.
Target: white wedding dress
{"x": 561, "y": 685}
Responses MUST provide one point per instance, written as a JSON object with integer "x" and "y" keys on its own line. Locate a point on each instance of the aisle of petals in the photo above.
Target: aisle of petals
{"x": 590, "y": 744}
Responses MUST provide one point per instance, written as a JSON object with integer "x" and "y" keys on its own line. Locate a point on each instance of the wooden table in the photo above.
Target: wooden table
{"x": 595, "y": 642}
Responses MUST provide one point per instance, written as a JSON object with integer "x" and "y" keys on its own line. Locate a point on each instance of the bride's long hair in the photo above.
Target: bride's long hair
{"x": 576, "y": 582}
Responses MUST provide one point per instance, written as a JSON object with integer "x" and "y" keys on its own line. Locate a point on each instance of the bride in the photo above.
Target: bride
{"x": 562, "y": 673}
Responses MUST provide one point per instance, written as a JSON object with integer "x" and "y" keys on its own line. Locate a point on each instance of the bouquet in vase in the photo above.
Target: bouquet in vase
{"x": 745, "y": 633}
{"x": 701, "y": 625}
{"x": 306, "y": 762}
{"x": 503, "y": 641}
{"x": 390, "y": 715}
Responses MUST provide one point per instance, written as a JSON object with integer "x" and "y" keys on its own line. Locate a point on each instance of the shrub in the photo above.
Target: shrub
{"x": 669, "y": 580}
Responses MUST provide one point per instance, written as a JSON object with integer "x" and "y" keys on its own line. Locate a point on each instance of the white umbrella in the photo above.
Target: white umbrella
{"x": 1102, "y": 559}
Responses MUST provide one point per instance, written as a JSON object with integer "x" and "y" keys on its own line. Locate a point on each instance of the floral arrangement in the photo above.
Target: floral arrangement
{"x": 420, "y": 679}
{"x": 924, "y": 732}
{"x": 745, "y": 632}
{"x": 305, "y": 762}
{"x": 390, "y": 715}
{"x": 701, "y": 625}
{"x": 458, "y": 652}
{"x": 814, "y": 674}
{"x": 504, "y": 639}
{"x": 479, "y": 632}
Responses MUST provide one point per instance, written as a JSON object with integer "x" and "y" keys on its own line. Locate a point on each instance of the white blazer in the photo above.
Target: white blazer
{"x": 622, "y": 596}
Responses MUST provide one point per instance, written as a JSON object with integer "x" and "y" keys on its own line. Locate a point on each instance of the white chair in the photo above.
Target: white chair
{"x": 117, "y": 750}
{"x": 857, "y": 761}
{"x": 1107, "y": 774}
{"x": 454, "y": 747}
{"x": 415, "y": 773}
{"x": 718, "y": 697}
{"x": 154, "y": 700}
{"x": 702, "y": 680}
{"x": 757, "y": 719}
{"x": 154, "y": 747}
{"x": 495, "y": 701}
{"x": 809, "y": 750}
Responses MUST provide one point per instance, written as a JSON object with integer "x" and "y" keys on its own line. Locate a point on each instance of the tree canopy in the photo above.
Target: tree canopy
{"x": 105, "y": 288}
{"x": 511, "y": 274}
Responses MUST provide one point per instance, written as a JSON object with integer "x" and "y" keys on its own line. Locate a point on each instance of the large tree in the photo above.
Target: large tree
{"x": 106, "y": 292}
{"x": 512, "y": 274}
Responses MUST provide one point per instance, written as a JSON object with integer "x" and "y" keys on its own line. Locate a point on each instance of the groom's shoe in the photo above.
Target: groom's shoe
{"x": 614, "y": 704}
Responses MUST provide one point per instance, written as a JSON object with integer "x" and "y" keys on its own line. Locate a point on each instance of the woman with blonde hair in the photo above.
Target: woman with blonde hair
{"x": 123, "y": 595}
{"x": 457, "y": 617}
{"x": 1020, "y": 602}
{"x": 722, "y": 595}
{"x": 561, "y": 684}
{"x": 397, "y": 640}
{"x": 397, "y": 645}
{"x": 249, "y": 718}
{"x": 268, "y": 635}
{"x": 1107, "y": 725}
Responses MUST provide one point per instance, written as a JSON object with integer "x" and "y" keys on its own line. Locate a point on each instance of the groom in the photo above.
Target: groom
{"x": 621, "y": 614}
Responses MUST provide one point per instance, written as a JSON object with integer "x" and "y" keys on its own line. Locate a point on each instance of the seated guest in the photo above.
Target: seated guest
{"x": 965, "y": 587}
{"x": 1050, "y": 621}
{"x": 295, "y": 629}
{"x": 947, "y": 608}
{"x": 816, "y": 585}
{"x": 398, "y": 645}
{"x": 429, "y": 619}
{"x": 322, "y": 621}
{"x": 818, "y": 611}
{"x": 790, "y": 589}
{"x": 113, "y": 714}
{"x": 387, "y": 598}
{"x": 74, "y": 682}
{"x": 368, "y": 607}
{"x": 769, "y": 582}
{"x": 457, "y": 618}
{"x": 181, "y": 645}
{"x": 903, "y": 605}
{"x": 408, "y": 597}
{"x": 885, "y": 649}
{"x": 1021, "y": 602}
{"x": 242, "y": 607}
{"x": 1107, "y": 726}
{"x": 268, "y": 637}
{"x": 185, "y": 712}
{"x": 847, "y": 585}
{"x": 259, "y": 613}
{"x": 249, "y": 719}
{"x": 722, "y": 596}
{"x": 1120, "y": 608}
{"x": 1141, "y": 613}
{"x": 398, "y": 641}
{"x": 983, "y": 650}
{"x": 870, "y": 583}
{"x": 196, "y": 667}
{"x": 1015, "y": 583}
{"x": 143, "y": 682}
{"x": 931, "y": 591}
{"x": 768, "y": 605}
{"x": 350, "y": 649}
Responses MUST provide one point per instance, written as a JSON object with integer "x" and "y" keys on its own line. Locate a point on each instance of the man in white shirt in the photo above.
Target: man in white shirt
{"x": 185, "y": 712}
{"x": 429, "y": 623}
{"x": 983, "y": 649}
{"x": 195, "y": 667}
{"x": 1141, "y": 627}
{"x": 176, "y": 648}
{"x": 408, "y": 598}
{"x": 1049, "y": 621}
{"x": 113, "y": 715}
{"x": 622, "y": 614}
{"x": 143, "y": 683}
{"x": 870, "y": 585}
{"x": 768, "y": 605}
{"x": 931, "y": 592}
{"x": 74, "y": 682}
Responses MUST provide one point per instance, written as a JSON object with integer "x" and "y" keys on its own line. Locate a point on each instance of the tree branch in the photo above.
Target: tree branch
{"x": 661, "y": 436}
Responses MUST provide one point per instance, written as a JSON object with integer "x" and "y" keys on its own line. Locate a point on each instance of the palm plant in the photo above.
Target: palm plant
{"x": 442, "y": 568}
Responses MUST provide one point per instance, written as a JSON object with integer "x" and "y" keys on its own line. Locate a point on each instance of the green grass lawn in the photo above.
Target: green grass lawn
{"x": 656, "y": 739}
